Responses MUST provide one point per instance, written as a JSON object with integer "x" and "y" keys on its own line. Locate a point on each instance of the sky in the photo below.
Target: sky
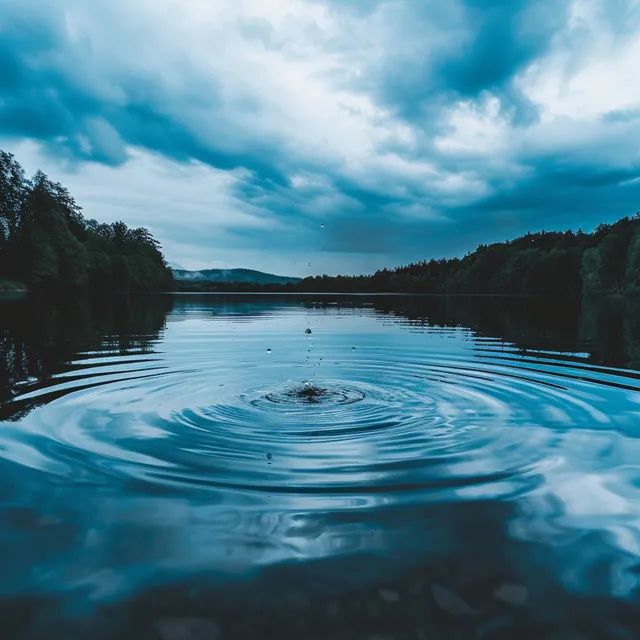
{"x": 302, "y": 137}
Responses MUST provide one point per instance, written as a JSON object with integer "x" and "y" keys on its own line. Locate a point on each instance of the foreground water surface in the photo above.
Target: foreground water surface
{"x": 192, "y": 466}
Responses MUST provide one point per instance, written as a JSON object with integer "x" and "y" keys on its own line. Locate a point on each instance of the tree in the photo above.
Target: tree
{"x": 46, "y": 242}
{"x": 632, "y": 272}
{"x": 13, "y": 188}
{"x": 591, "y": 271}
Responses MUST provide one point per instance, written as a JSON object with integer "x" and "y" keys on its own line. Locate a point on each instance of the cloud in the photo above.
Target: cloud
{"x": 410, "y": 129}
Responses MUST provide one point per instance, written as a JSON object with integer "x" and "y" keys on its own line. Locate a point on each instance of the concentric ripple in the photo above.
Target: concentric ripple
{"x": 411, "y": 416}
{"x": 237, "y": 439}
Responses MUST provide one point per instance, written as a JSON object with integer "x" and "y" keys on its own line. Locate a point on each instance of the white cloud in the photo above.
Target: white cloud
{"x": 591, "y": 70}
{"x": 294, "y": 88}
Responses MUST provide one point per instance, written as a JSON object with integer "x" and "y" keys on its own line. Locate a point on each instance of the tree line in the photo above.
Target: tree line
{"x": 47, "y": 244}
{"x": 568, "y": 264}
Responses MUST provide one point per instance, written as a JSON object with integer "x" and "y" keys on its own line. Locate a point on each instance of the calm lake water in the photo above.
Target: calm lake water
{"x": 200, "y": 467}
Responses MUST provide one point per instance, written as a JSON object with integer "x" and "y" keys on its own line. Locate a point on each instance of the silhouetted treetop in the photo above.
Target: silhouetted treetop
{"x": 45, "y": 241}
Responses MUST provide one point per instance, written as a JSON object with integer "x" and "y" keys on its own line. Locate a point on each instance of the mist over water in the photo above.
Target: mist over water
{"x": 412, "y": 467}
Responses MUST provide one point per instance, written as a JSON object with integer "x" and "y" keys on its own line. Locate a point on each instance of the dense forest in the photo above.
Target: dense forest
{"x": 569, "y": 264}
{"x": 545, "y": 263}
{"x": 47, "y": 244}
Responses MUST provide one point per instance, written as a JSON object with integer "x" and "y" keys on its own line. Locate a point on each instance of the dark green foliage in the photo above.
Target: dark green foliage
{"x": 563, "y": 264}
{"x": 46, "y": 243}
{"x": 591, "y": 271}
{"x": 547, "y": 263}
{"x": 632, "y": 274}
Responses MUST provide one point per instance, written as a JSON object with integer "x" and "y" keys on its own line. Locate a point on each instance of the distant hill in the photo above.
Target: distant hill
{"x": 231, "y": 275}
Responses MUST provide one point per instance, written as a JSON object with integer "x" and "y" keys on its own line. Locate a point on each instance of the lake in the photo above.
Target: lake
{"x": 344, "y": 467}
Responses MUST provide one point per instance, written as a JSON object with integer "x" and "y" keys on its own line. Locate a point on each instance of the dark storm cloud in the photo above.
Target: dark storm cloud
{"x": 577, "y": 176}
{"x": 416, "y": 62}
{"x": 441, "y": 52}
{"x": 488, "y": 43}
{"x": 49, "y": 94}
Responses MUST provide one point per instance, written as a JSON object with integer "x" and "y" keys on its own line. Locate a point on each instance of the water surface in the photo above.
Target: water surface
{"x": 464, "y": 467}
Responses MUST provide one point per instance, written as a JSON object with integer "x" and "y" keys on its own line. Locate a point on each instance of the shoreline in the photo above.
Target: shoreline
{"x": 23, "y": 289}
